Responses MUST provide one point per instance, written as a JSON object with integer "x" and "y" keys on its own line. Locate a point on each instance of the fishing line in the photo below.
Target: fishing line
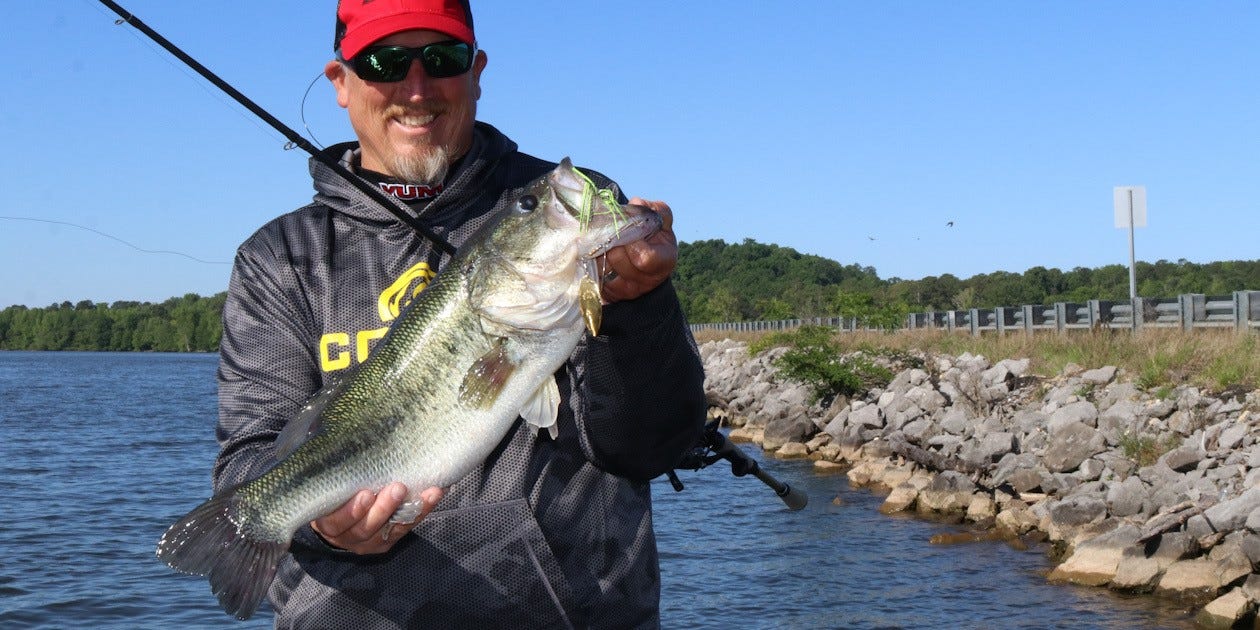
{"x": 111, "y": 236}
{"x": 302, "y": 113}
{"x": 184, "y": 71}
{"x": 395, "y": 207}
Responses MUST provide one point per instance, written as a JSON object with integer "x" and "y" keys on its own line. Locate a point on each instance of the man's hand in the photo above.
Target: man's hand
{"x": 636, "y": 268}
{"x": 362, "y": 524}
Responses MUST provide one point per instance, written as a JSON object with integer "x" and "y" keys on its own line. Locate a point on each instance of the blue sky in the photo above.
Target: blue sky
{"x": 817, "y": 125}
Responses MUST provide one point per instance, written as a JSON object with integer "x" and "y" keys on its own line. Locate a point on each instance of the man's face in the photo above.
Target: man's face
{"x": 414, "y": 120}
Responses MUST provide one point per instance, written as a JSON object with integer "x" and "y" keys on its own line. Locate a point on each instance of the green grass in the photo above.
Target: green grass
{"x": 1157, "y": 360}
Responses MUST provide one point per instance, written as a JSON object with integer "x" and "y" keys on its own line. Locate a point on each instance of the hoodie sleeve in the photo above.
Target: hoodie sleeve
{"x": 266, "y": 370}
{"x": 644, "y": 387}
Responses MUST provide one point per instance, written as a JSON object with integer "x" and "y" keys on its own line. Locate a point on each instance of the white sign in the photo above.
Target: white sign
{"x": 1130, "y": 201}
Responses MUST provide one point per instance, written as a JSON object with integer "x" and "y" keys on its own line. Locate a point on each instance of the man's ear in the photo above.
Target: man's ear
{"x": 479, "y": 64}
{"x": 335, "y": 71}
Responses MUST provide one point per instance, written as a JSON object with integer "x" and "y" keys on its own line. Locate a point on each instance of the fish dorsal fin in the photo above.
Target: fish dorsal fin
{"x": 543, "y": 407}
{"x": 486, "y": 377}
{"x": 307, "y": 422}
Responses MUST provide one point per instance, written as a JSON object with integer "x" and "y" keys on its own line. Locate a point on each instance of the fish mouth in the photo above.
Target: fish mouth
{"x": 637, "y": 224}
{"x": 604, "y": 222}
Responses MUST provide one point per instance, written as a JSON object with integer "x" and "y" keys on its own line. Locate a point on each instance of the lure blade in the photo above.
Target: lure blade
{"x": 591, "y": 303}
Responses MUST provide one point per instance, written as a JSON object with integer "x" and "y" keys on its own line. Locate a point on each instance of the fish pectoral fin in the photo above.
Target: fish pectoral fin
{"x": 307, "y": 422}
{"x": 486, "y": 378}
{"x": 543, "y": 407}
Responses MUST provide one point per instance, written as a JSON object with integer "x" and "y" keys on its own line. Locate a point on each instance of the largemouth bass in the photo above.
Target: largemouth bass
{"x": 475, "y": 350}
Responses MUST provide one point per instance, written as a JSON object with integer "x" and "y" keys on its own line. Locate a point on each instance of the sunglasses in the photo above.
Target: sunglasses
{"x": 389, "y": 64}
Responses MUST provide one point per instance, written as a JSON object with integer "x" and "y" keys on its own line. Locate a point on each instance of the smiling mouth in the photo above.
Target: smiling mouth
{"x": 415, "y": 120}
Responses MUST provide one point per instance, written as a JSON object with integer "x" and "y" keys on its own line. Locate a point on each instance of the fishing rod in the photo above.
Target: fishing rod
{"x": 714, "y": 446}
{"x": 294, "y": 137}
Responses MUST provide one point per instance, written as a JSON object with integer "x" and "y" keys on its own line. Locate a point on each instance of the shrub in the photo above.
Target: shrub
{"x": 815, "y": 359}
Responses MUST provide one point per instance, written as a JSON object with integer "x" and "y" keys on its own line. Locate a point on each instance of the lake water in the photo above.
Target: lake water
{"x": 100, "y": 452}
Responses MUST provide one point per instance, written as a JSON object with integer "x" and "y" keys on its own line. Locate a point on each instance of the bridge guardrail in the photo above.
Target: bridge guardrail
{"x": 1190, "y": 311}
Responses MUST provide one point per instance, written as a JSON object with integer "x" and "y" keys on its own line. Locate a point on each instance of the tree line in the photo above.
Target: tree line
{"x": 716, "y": 282}
{"x": 748, "y": 281}
{"x": 185, "y": 324}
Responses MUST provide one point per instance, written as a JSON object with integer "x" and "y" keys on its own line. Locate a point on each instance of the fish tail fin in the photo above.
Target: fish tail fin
{"x": 206, "y": 541}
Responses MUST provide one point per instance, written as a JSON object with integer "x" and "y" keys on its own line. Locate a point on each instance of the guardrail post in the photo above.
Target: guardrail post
{"x": 1193, "y": 308}
{"x": 1028, "y": 319}
{"x": 1105, "y": 316}
{"x": 973, "y": 321}
{"x": 1242, "y": 310}
{"x": 1139, "y": 313}
{"x": 999, "y": 320}
{"x": 1060, "y": 316}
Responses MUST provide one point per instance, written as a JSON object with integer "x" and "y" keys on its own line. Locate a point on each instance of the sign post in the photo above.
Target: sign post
{"x": 1130, "y": 206}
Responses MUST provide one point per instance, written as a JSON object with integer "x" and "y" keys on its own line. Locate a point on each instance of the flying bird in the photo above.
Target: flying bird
{"x": 949, "y": 224}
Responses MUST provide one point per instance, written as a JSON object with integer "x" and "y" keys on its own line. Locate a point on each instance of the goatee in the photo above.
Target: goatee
{"x": 427, "y": 168}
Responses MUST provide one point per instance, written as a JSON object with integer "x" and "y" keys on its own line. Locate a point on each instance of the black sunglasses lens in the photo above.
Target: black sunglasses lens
{"x": 446, "y": 59}
{"x": 387, "y": 64}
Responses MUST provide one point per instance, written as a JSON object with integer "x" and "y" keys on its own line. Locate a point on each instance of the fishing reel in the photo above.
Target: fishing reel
{"x": 714, "y": 446}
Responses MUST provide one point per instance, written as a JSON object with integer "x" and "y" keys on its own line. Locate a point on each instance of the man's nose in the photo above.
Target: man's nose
{"x": 417, "y": 81}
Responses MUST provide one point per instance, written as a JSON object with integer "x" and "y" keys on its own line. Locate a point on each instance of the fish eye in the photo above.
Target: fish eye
{"x": 527, "y": 203}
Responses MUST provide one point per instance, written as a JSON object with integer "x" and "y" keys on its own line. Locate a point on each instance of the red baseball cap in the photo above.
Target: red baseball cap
{"x": 361, "y": 22}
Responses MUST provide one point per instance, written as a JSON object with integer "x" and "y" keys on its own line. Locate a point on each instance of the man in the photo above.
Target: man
{"x": 546, "y": 533}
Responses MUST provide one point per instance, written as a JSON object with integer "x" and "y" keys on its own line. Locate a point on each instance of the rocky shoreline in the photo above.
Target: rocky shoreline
{"x": 1137, "y": 491}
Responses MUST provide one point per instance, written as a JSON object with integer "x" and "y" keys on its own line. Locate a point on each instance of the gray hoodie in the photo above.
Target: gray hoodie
{"x": 546, "y": 533}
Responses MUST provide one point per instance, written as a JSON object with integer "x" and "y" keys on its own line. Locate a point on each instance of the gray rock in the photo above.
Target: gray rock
{"x": 1091, "y": 469}
{"x": 898, "y": 419}
{"x": 1025, "y": 480}
{"x": 948, "y": 492}
{"x": 1100, "y": 376}
{"x": 1118, "y": 392}
{"x": 1095, "y": 561}
{"x": 1183, "y": 458}
{"x": 1127, "y": 497}
{"x": 956, "y": 421}
{"x": 1175, "y": 546}
{"x": 796, "y": 396}
{"x": 1083, "y": 412}
{"x": 944, "y": 443}
{"x": 836, "y": 427}
{"x": 1226, "y": 611}
{"x": 919, "y": 430}
{"x": 1161, "y": 409}
{"x": 1017, "y": 367}
{"x": 1119, "y": 418}
{"x": 995, "y": 375}
{"x": 1071, "y": 445}
{"x": 876, "y": 449}
{"x": 780, "y": 431}
{"x": 1184, "y": 422}
{"x": 991, "y": 448}
{"x": 1232, "y": 437}
{"x": 1010, "y": 463}
{"x": 926, "y": 398}
{"x": 868, "y": 416}
{"x": 1027, "y": 420}
{"x": 1078, "y": 511}
{"x": 1233, "y": 514}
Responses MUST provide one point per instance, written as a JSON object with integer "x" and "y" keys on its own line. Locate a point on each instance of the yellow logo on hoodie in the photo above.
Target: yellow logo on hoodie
{"x": 335, "y": 349}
